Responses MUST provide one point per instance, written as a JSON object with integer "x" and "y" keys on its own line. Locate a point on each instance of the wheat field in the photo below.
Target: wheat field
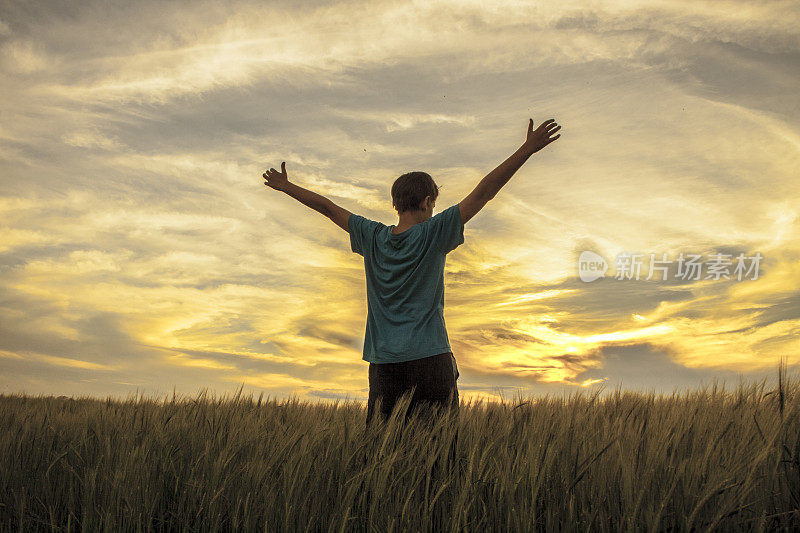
{"x": 718, "y": 458}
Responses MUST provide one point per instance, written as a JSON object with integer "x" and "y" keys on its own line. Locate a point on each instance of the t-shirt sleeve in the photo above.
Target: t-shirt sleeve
{"x": 447, "y": 229}
{"x": 361, "y": 231}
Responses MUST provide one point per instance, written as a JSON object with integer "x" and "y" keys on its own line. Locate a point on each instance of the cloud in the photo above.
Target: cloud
{"x": 642, "y": 367}
{"x": 140, "y": 248}
{"x": 22, "y": 57}
{"x": 333, "y": 394}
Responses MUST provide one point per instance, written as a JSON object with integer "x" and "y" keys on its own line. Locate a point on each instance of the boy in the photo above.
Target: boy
{"x": 406, "y": 342}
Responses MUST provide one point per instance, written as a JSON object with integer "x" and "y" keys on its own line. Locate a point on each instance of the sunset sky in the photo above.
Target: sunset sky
{"x": 141, "y": 251}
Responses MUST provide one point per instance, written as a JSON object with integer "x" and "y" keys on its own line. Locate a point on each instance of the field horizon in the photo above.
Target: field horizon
{"x": 517, "y": 394}
{"x": 705, "y": 459}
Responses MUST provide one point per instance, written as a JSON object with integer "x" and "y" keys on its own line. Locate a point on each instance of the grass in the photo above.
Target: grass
{"x": 703, "y": 460}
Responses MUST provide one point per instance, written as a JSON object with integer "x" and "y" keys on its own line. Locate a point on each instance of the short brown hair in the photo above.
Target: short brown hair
{"x": 410, "y": 189}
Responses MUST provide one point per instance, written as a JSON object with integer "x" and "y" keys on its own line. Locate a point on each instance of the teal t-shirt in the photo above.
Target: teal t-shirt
{"x": 405, "y": 285}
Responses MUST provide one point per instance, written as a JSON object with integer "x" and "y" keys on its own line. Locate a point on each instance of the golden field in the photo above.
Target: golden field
{"x": 716, "y": 458}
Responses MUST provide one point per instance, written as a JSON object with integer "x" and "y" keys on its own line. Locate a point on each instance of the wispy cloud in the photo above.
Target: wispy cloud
{"x": 141, "y": 250}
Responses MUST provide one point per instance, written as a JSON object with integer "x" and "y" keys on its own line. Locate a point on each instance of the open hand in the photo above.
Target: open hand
{"x": 276, "y": 180}
{"x": 541, "y": 136}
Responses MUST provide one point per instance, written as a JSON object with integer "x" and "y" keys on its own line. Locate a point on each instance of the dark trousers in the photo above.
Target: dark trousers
{"x": 433, "y": 380}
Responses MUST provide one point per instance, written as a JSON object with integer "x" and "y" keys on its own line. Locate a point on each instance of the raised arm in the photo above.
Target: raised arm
{"x": 491, "y": 184}
{"x": 280, "y": 182}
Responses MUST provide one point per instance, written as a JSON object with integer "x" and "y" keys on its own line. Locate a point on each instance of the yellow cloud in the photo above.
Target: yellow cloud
{"x": 220, "y": 264}
{"x": 181, "y": 359}
{"x": 56, "y": 361}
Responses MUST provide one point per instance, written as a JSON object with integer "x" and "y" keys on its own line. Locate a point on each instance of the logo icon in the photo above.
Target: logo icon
{"x": 591, "y": 266}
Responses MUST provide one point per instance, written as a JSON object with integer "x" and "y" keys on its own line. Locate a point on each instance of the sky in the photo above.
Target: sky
{"x": 141, "y": 253}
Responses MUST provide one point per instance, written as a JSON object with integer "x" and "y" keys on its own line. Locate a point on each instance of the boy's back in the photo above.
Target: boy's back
{"x": 406, "y": 342}
{"x": 405, "y": 285}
